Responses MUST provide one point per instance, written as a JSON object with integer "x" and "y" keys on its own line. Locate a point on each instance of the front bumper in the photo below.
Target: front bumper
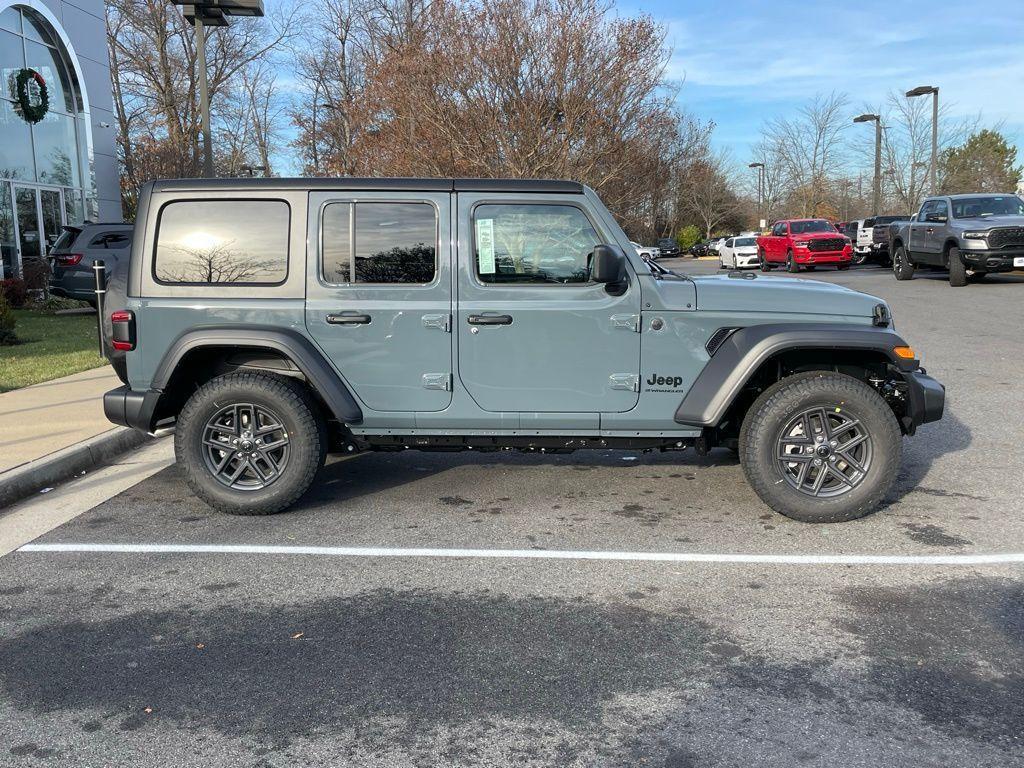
{"x": 991, "y": 261}
{"x": 747, "y": 260}
{"x": 926, "y": 399}
{"x": 822, "y": 257}
{"x": 131, "y": 408}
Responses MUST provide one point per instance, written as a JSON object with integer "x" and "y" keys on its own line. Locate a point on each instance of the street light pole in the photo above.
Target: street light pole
{"x": 202, "y": 14}
{"x": 876, "y": 189}
{"x": 924, "y": 90}
{"x": 204, "y": 97}
{"x": 760, "y": 193}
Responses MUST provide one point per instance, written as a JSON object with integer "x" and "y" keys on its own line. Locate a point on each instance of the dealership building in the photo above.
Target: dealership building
{"x": 57, "y": 127}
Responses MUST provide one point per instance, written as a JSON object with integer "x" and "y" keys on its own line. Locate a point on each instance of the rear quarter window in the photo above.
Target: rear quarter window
{"x": 225, "y": 242}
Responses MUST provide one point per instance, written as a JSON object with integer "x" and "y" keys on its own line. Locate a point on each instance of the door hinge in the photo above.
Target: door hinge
{"x": 441, "y": 322}
{"x": 631, "y": 322}
{"x": 630, "y": 382}
{"x": 442, "y": 381}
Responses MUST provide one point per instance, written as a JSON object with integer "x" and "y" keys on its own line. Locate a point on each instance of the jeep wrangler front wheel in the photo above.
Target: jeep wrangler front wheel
{"x": 820, "y": 447}
{"x": 250, "y": 443}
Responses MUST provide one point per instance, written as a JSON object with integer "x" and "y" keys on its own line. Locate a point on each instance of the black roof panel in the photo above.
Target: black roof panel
{"x": 370, "y": 184}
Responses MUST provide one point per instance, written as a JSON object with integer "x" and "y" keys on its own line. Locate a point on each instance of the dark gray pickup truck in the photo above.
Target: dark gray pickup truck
{"x": 970, "y": 235}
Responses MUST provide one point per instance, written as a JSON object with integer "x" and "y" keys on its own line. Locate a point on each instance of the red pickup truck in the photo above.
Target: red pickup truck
{"x": 799, "y": 243}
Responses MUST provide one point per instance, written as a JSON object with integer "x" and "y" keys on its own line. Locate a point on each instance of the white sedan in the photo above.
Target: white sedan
{"x": 739, "y": 253}
{"x": 648, "y": 251}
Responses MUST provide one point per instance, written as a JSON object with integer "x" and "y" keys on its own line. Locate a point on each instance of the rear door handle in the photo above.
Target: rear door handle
{"x": 347, "y": 318}
{"x": 490, "y": 319}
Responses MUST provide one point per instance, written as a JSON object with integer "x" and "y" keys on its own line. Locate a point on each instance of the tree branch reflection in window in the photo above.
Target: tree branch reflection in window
{"x": 223, "y": 241}
{"x": 394, "y": 243}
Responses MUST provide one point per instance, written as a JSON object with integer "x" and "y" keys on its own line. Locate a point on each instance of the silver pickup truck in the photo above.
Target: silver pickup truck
{"x": 970, "y": 235}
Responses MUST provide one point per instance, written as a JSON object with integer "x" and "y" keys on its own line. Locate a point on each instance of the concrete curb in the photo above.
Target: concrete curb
{"x": 50, "y": 470}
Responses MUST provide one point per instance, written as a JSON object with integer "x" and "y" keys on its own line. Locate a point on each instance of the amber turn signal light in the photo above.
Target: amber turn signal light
{"x": 907, "y": 353}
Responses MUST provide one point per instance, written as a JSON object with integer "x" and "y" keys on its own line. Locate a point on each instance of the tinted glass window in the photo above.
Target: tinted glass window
{"x": 533, "y": 244}
{"x": 780, "y": 229}
{"x": 993, "y": 205}
{"x": 744, "y": 242}
{"x": 223, "y": 241}
{"x": 336, "y": 243}
{"x": 816, "y": 225}
{"x": 927, "y": 208}
{"x": 392, "y": 243}
{"x": 395, "y": 242}
{"x": 111, "y": 240}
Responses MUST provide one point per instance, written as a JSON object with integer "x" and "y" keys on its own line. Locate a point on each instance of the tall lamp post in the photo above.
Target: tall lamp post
{"x": 760, "y": 193}
{"x": 876, "y": 189}
{"x": 211, "y": 13}
{"x": 924, "y": 90}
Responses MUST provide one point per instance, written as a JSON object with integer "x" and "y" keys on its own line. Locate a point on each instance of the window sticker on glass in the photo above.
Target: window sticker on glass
{"x": 485, "y": 246}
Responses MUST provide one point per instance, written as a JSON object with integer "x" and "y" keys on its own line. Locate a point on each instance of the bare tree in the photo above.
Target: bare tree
{"x": 807, "y": 149}
{"x": 706, "y": 194}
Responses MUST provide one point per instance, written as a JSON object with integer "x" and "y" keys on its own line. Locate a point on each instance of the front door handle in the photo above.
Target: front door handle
{"x": 490, "y": 319}
{"x": 347, "y": 318}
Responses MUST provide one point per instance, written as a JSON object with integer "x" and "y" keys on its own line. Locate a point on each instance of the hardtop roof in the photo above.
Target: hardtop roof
{"x": 550, "y": 186}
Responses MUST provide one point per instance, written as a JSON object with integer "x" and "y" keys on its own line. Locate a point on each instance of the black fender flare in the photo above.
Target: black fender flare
{"x": 292, "y": 344}
{"x": 739, "y": 356}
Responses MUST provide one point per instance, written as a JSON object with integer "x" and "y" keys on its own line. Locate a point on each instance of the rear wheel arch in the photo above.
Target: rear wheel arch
{"x": 200, "y": 356}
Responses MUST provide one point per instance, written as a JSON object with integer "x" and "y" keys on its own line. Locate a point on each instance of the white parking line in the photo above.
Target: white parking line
{"x": 533, "y": 554}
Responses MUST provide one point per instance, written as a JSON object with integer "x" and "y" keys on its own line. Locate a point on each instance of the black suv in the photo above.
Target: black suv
{"x": 669, "y": 247}
{"x": 77, "y": 249}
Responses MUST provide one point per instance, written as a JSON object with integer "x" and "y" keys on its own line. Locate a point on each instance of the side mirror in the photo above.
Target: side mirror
{"x": 608, "y": 264}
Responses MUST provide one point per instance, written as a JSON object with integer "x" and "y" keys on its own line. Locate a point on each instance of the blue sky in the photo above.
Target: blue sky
{"x": 742, "y": 62}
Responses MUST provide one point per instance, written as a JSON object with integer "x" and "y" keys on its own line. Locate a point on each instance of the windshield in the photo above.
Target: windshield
{"x": 990, "y": 205}
{"x": 803, "y": 227}
{"x": 741, "y": 242}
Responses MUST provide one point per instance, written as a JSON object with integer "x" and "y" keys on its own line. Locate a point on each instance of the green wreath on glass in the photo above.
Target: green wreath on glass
{"x": 34, "y": 102}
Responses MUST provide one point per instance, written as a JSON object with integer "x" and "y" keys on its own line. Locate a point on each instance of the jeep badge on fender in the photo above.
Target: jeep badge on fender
{"x": 665, "y": 381}
{"x": 494, "y": 314}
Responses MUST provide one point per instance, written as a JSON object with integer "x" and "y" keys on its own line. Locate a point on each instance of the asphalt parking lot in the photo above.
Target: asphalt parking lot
{"x": 261, "y": 658}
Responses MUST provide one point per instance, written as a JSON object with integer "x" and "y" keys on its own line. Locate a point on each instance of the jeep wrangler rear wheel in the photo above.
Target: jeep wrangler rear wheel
{"x": 820, "y": 447}
{"x": 250, "y": 443}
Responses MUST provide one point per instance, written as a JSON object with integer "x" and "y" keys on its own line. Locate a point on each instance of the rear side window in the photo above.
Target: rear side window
{"x": 379, "y": 243}
{"x": 533, "y": 243}
{"x": 109, "y": 240}
{"x": 240, "y": 242}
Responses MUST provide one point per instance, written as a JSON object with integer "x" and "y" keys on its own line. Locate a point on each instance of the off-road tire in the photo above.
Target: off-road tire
{"x": 778, "y": 404}
{"x": 762, "y": 258}
{"x": 304, "y": 424}
{"x": 791, "y": 264}
{"x": 902, "y": 267}
{"x": 957, "y": 270}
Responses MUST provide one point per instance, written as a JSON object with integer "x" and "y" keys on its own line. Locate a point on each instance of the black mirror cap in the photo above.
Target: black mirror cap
{"x": 608, "y": 264}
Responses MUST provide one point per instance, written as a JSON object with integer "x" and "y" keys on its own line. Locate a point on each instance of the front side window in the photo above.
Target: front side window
{"x": 780, "y": 229}
{"x": 926, "y": 209}
{"x": 244, "y": 242}
{"x": 533, "y": 243}
{"x": 391, "y": 243}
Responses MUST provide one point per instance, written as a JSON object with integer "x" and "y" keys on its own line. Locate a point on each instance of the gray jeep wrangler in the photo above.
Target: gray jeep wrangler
{"x": 271, "y": 321}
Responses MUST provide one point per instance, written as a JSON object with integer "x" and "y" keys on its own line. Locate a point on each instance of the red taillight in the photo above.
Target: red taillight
{"x": 68, "y": 259}
{"x": 122, "y": 336}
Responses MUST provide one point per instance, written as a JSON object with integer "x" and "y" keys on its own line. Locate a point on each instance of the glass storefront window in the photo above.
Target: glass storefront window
{"x": 15, "y": 144}
{"x": 12, "y": 58}
{"x": 56, "y": 150}
{"x": 74, "y": 212}
{"x": 8, "y": 247}
{"x": 46, "y": 61}
{"x": 10, "y": 19}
